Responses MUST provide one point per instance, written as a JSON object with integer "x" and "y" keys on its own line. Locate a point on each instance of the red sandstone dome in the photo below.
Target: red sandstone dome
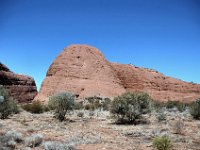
{"x": 84, "y": 71}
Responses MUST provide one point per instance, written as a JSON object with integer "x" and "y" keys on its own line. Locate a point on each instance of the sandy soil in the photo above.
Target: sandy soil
{"x": 98, "y": 132}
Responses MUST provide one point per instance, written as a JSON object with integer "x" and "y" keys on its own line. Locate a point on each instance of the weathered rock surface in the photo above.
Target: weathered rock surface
{"x": 83, "y": 70}
{"x": 159, "y": 86}
{"x": 20, "y": 87}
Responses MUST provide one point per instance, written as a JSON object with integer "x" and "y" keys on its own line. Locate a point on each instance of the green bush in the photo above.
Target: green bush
{"x": 61, "y": 103}
{"x": 169, "y": 105}
{"x": 96, "y": 102}
{"x": 106, "y": 103}
{"x": 130, "y": 106}
{"x": 35, "y": 107}
{"x": 162, "y": 143}
{"x": 182, "y": 107}
{"x": 8, "y": 105}
{"x": 195, "y": 109}
{"x": 89, "y": 107}
{"x": 157, "y": 105}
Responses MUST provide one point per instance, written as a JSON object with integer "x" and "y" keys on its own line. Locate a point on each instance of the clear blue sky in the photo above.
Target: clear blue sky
{"x": 160, "y": 34}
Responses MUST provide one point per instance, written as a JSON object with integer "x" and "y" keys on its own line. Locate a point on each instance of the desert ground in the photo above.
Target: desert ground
{"x": 97, "y": 130}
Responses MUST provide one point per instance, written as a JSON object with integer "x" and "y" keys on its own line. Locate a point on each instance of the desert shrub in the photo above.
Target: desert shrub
{"x": 171, "y": 104}
{"x": 80, "y": 114}
{"x": 35, "y": 107}
{"x": 161, "y": 116}
{"x": 106, "y": 103}
{"x": 157, "y": 105}
{"x": 8, "y": 105}
{"x": 144, "y": 102}
{"x": 12, "y": 144}
{"x": 176, "y": 104}
{"x": 94, "y": 102}
{"x": 89, "y": 107}
{"x": 34, "y": 140}
{"x": 4, "y": 142}
{"x": 130, "y": 106}
{"x": 162, "y": 143}
{"x": 78, "y": 106}
{"x": 10, "y": 140}
{"x": 178, "y": 126}
{"x": 62, "y": 103}
{"x": 181, "y": 106}
{"x": 15, "y": 136}
{"x": 195, "y": 109}
{"x": 93, "y": 99}
{"x": 91, "y": 113}
{"x": 54, "y": 145}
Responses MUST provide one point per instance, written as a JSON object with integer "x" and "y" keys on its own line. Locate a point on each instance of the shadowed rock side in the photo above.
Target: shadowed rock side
{"x": 20, "y": 87}
{"x": 159, "y": 86}
{"x": 83, "y": 70}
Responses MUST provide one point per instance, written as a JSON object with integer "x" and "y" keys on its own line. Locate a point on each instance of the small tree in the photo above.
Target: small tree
{"x": 61, "y": 103}
{"x": 8, "y": 105}
{"x": 130, "y": 106}
{"x": 195, "y": 109}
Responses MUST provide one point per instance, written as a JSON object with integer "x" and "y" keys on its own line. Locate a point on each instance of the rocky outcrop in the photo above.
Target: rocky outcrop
{"x": 157, "y": 85}
{"x": 83, "y": 70}
{"x": 22, "y": 88}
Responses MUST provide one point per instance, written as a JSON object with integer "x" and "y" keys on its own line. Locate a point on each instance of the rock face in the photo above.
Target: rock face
{"x": 22, "y": 88}
{"x": 83, "y": 70}
{"x": 157, "y": 85}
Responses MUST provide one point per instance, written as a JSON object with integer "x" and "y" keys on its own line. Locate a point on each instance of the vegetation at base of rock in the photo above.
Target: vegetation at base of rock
{"x": 79, "y": 105}
{"x": 130, "y": 106}
{"x": 176, "y": 104}
{"x": 195, "y": 109}
{"x": 35, "y": 107}
{"x": 162, "y": 143}
{"x": 61, "y": 103}
{"x": 96, "y": 102}
{"x": 157, "y": 105}
{"x": 8, "y": 105}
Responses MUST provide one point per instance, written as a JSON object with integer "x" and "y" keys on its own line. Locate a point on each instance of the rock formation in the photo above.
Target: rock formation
{"x": 157, "y": 85}
{"x": 83, "y": 70}
{"x": 22, "y": 88}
